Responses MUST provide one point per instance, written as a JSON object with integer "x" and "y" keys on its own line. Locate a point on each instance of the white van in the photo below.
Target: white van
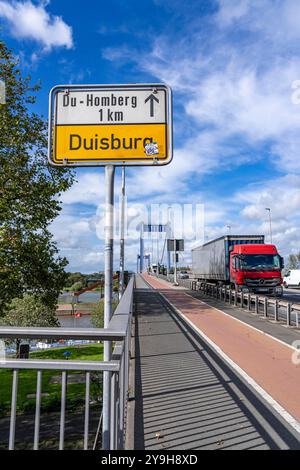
{"x": 292, "y": 278}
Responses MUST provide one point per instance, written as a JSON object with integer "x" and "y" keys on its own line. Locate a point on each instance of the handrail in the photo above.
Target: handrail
{"x": 116, "y": 330}
{"x": 112, "y": 366}
{"x": 113, "y": 333}
{"x": 119, "y": 331}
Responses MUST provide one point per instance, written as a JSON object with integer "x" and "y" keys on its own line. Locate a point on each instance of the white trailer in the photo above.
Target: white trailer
{"x": 211, "y": 260}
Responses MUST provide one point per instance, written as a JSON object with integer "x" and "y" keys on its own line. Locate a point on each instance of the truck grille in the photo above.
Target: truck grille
{"x": 263, "y": 282}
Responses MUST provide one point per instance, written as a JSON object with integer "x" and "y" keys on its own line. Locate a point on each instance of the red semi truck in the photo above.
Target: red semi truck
{"x": 243, "y": 261}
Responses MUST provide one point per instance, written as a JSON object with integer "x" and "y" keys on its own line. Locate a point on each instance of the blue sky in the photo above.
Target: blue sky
{"x": 233, "y": 66}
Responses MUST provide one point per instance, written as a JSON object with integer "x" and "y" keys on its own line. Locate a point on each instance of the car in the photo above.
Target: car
{"x": 183, "y": 275}
{"x": 292, "y": 278}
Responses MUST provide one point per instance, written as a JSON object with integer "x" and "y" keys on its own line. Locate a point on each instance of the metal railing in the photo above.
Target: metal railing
{"x": 118, "y": 331}
{"x": 275, "y": 309}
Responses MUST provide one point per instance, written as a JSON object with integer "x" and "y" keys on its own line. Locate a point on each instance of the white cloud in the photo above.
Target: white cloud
{"x": 29, "y": 21}
{"x": 282, "y": 196}
{"x": 75, "y": 235}
{"x": 232, "y": 10}
{"x": 236, "y": 83}
{"x": 71, "y": 231}
{"x": 276, "y": 20}
{"x": 241, "y": 101}
{"x": 233, "y": 92}
{"x": 284, "y": 206}
{"x": 89, "y": 189}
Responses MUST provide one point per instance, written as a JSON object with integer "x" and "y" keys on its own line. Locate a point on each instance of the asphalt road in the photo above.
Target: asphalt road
{"x": 291, "y": 295}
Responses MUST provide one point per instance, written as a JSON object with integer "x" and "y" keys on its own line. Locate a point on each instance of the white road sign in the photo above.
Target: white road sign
{"x": 101, "y": 124}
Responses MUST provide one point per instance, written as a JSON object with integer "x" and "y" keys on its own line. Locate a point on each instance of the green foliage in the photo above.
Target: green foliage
{"x": 29, "y": 194}
{"x": 96, "y": 386}
{"x": 52, "y": 389}
{"x": 97, "y": 316}
{"x": 72, "y": 278}
{"x": 116, "y": 285}
{"x": 29, "y": 311}
{"x": 77, "y": 286}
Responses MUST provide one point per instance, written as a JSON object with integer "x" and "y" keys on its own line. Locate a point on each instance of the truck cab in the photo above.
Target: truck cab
{"x": 256, "y": 268}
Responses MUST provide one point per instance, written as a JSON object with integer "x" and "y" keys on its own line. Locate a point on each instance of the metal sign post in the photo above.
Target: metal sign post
{"x": 175, "y": 268}
{"x": 142, "y": 248}
{"x": 122, "y": 232}
{"x": 175, "y": 245}
{"x": 169, "y": 234}
{"x": 108, "y": 289}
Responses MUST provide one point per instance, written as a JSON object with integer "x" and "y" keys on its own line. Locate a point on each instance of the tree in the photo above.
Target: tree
{"x": 75, "y": 277}
{"x": 29, "y": 194}
{"x": 76, "y": 286}
{"x": 30, "y": 311}
{"x": 293, "y": 261}
{"x": 97, "y": 317}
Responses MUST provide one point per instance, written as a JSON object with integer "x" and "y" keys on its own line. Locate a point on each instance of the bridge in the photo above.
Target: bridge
{"x": 191, "y": 369}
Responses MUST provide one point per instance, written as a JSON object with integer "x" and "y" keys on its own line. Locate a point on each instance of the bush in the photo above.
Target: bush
{"x": 77, "y": 286}
{"x": 51, "y": 403}
{"x": 96, "y": 386}
{"x": 27, "y": 406}
{"x": 98, "y": 313}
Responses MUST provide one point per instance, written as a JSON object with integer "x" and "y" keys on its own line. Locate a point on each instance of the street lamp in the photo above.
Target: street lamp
{"x": 270, "y": 222}
{"x": 168, "y": 234}
{"x": 229, "y": 229}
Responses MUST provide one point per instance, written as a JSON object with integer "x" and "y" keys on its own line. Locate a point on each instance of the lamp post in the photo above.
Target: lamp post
{"x": 270, "y": 222}
{"x": 168, "y": 234}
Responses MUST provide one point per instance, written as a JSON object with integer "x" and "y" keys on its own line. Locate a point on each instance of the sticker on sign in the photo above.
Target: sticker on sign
{"x": 110, "y": 124}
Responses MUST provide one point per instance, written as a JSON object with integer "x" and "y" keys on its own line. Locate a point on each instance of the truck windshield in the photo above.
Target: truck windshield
{"x": 260, "y": 262}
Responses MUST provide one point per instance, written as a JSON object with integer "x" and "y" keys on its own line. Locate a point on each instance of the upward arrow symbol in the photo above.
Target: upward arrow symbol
{"x": 152, "y": 98}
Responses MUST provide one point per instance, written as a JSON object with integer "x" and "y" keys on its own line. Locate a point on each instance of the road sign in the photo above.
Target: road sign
{"x": 178, "y": 247}
{"x": 92, "y": 125}
{"x": 155, "y": 228}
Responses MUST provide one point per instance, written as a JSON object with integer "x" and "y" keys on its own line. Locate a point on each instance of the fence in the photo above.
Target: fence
{"x": 273, "y": 308}
{"x": 118, "y": 332}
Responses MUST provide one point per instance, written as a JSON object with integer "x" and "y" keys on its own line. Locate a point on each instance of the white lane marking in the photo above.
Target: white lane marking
{"x": 265, "y": 395}
{"x": 246, "y": 324}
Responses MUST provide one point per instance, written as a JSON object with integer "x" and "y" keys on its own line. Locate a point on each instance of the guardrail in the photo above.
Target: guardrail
{"x": 118, "y": 331}
{"x": 276, "y": 309}
{"x": 273, "y": 308}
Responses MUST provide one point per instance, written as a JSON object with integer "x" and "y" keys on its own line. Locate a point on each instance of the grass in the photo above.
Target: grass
{"x": 51, "y": 402}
